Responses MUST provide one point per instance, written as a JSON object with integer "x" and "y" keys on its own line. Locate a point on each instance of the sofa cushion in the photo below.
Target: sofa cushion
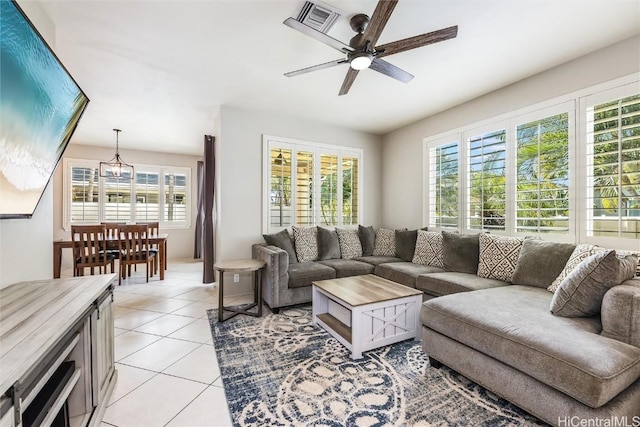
{"x": 513, "y": 325}
{"x": 303, "y": 273}
{"x": 306, "y": 240}
{"x": 498, "y": 256}
{"x": 536, "y": 253}
{"x": 328, "y": 245}
{"x": 580, "y": 294}
{"x": 283, "y": 241}
{"x": 350, "y": 246}
{"x": 377, "y": 260}
{"x": 406, "y": 244}
{"x": 385, "y": 244}
{"x": 367, "y": 239}
{"x": 579, "y": 254}
{"x": 451, "y": 282}
{"x": 460, "y": 252}
{"x": 404, "y": 272}
{"x": 428, "y": 248}
{"x": 348, "y": 267}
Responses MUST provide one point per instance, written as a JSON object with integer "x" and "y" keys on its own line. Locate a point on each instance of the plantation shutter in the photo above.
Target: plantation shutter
{"x": 175, "y": 197}
{"x": 486, "y": 188}
{"x": 443, "y": 167}
{"x": 328, "y": 189}
{"x": 350, "y": 189}
{"x": 613, "y": 168}
{"x": 84, "y": 207}
{"x": 117, "y": 198}
{"x": 304, "y": 188}
{"x": 147, "y": 185}
{"x": 542, "y": 192}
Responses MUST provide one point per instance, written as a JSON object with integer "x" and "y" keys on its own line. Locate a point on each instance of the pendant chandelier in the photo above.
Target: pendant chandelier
{"x": 116, "y": 168}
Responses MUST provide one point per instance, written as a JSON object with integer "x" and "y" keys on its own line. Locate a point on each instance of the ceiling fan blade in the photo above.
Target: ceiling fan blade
{"x": 417, "y": 41}
{"x": 321, "y": 37}
{"x": 316, "y": 67}
{"x": 348, "y": 81}
{"x": 378, "y": 20}
{"x": 390, "y": 70}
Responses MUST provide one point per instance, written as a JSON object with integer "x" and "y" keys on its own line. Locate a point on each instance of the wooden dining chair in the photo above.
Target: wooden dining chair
{"x": 89, "y": 249}
{"x": 154, "y": 228}
{"x": 112, "y": 228}
{"x": 134, "y": 249}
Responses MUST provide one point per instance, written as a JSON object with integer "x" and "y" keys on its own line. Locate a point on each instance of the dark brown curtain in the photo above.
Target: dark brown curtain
{"x": 208, "y": 226}
{"x": 198, "y": 248}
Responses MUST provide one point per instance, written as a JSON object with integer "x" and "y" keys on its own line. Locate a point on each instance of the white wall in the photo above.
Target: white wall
{"x": 402, "y": 148}
{"x": 180, "y": 241}
{"x": 26, "y": 248}
{"x": 239, "y": 222}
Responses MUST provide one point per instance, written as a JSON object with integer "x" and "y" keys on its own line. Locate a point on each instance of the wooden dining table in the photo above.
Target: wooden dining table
{"x": 112, "y": 242}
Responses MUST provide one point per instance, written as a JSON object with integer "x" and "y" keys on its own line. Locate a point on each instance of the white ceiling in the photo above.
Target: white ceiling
{"x": 160, "y": 70}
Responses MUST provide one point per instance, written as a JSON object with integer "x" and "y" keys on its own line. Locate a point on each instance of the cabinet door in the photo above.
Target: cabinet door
{"x": 103, "y": 348}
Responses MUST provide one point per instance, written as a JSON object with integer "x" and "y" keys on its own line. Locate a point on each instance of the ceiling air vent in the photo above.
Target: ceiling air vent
{"x": 318, "y": 16}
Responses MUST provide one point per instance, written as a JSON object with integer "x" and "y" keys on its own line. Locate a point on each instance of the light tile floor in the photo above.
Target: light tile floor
{"x": 167, "y": 368}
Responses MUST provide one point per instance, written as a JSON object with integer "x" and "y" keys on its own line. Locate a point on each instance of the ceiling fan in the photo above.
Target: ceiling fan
{"x": 362, "y": 51}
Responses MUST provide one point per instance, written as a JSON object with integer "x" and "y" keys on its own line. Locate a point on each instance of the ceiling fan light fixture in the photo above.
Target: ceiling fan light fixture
{"x": 361, "y": 60}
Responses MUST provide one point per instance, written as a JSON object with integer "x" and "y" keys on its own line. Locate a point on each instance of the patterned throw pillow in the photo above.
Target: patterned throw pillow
{"x": 306, "y": 243}
{"x": 350, "y": 246}
{"x": 580, "y": 294}
{"x": 580, "y": 253}
{"x": 385, "y": 243}
{"x": 498, "y": 256}
{"x": 428, "y": 249}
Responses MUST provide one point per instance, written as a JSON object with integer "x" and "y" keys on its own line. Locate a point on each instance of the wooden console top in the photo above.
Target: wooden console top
{"x": 35, "y": 315}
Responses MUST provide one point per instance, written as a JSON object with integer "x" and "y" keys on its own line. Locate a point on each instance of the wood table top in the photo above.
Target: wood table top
{"x": 34, "y": 315}
{"x": 367, "y": 289}
{"x": 240, "y": 265}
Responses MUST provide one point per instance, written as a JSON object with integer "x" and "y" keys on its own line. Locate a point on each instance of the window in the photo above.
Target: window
{"x": 89, "y": 198}
{"x": 443, "y": 184}
{"x": 612, "y": 166}
{"x": 308, "y": 184}
{"x": 515, "y": 174}
{"x": 571, "y": 170}
{"x": 487, "y": 181}
{"x": 542, "y": 187}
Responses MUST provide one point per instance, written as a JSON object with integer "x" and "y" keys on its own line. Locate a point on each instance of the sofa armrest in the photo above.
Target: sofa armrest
{"x": 620, "y": 313}
{"x": 275, "y": 279}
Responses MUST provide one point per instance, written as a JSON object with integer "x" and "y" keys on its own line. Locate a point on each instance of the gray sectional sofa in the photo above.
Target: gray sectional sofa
{"x": 501, "y": 333}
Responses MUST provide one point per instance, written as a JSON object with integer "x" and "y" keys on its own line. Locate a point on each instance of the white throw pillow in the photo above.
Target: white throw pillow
{"x": 385, "y": 243}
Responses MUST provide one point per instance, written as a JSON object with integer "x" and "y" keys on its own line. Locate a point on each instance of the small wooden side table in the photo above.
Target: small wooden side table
{"x": 254, "y": 266}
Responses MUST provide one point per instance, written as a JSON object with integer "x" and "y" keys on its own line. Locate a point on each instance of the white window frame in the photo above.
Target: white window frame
{"x": 270, "y": 142}
{"x": 68, "y": 163}
{"x": 509, "y": 123}
{"x": 582, "y": 153}
{"x": 579, "y": 101}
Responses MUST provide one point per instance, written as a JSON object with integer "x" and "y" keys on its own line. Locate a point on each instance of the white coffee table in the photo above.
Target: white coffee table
{"x": 366, "y": 312}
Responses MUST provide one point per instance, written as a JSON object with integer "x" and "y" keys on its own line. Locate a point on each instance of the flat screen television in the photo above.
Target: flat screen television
{"x": 40, "y": 106}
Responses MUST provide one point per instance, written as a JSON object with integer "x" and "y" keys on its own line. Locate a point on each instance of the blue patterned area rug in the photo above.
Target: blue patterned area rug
{"x": 281, "y": 370}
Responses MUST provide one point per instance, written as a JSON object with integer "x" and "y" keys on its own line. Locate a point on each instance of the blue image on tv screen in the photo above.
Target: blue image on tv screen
{"x": 40, "y": 105}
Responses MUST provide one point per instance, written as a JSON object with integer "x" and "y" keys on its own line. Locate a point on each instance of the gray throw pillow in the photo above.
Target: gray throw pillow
{"x": 367, "y": 239}
{"x": 282, "y": 240}
{"x": 581, "y": 293}
{"x": 460, "y": 252}
{"x": 540, "y": 262}
{"x": 328, "y": 245}
{"x": 350, "y": 246}
{"x": 406, "y": 244}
